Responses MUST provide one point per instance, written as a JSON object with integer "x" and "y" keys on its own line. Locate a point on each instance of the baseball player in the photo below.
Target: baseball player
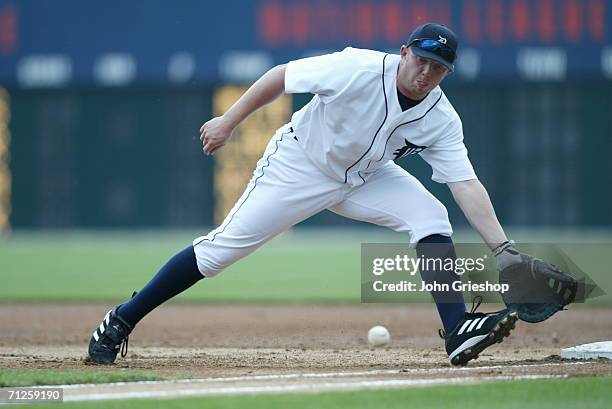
{"x": 369, "y": 109}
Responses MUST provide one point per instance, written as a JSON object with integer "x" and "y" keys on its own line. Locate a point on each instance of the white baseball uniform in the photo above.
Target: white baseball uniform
{"x": 337, "y": 153}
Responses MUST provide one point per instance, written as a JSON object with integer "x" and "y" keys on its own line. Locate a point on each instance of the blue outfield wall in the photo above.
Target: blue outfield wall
{"x": 131, "y": 157}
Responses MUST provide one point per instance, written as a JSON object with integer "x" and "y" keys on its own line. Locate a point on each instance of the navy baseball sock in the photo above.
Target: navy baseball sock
{"x": 450, "y": 304}
{"x": 179, "y": 273}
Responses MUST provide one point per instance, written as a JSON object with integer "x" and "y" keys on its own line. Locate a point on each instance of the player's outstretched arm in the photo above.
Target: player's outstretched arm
{"x": 537, "y": 289}
{"x": 474, "y": 201}
{"x": 216, "y": 132}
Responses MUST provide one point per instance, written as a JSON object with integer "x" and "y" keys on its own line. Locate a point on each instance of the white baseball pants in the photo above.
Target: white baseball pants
{"x": 287, "y": 188}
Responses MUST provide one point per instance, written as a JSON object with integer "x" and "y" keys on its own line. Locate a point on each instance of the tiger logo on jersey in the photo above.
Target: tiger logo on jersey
{"x": 409, "y": 149}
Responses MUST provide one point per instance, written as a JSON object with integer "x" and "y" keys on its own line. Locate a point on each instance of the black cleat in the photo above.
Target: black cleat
{"x": 109, "y": 338}
{"x": 476, "y": 332}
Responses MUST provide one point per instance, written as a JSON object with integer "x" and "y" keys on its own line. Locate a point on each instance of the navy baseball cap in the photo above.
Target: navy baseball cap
{"x": 435, "y": 41}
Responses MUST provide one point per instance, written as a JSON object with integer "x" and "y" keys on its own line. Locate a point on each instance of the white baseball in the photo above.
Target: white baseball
{"x": 378, "y": 336}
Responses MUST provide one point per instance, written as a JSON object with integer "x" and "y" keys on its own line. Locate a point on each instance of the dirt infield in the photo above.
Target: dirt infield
{"x": 238, "y": 340}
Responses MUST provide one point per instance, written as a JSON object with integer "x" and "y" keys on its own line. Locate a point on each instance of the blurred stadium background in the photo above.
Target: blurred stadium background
{"x": 100, "y": 106}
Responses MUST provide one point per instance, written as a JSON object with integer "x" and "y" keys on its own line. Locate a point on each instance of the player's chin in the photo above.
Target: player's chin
{"x": 421, "y": 91}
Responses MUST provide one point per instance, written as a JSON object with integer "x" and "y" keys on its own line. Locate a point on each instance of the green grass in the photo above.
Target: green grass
{"x": 30, "y": 377}
{"x": 321, "y": 266}
{"x": 108, "y": 267}
{"x": 583, "y": 393}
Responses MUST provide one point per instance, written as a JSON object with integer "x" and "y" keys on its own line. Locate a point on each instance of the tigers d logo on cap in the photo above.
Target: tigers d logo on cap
{"x": 435, "y": 41}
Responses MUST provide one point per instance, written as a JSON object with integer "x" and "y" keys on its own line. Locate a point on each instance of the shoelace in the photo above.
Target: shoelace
{"x": 124, "y": 347}
{"x": 124, "y": 344}
{"x": 476, "y": 301}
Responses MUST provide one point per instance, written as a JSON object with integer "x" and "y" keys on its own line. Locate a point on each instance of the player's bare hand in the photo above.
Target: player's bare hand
{"x": 214, "y": 134}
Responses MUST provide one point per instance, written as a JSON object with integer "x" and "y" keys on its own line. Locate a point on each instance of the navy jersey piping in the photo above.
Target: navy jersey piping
{"x": 406, "y": 123}
{"x": 250, "y": 191}
{"x": 379, "y": 128}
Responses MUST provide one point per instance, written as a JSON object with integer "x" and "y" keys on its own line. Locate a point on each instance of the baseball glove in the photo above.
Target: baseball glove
{"x": 537, "y": 289}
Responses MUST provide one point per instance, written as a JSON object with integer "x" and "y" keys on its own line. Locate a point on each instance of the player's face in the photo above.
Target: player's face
{"x": 417, "y": 76}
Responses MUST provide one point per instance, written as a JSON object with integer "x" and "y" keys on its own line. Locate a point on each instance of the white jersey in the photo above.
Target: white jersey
{"x": 354, "y": 124}
{"x": 337, "y": 154}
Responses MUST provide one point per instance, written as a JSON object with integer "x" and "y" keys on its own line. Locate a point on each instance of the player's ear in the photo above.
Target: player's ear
{"x": 403, "y": 50}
